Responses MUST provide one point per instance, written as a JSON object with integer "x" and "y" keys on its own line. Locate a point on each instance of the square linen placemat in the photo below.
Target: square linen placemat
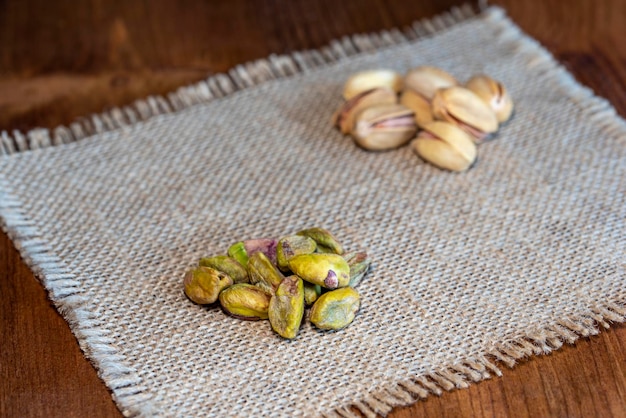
{"x": 521, "y": 253}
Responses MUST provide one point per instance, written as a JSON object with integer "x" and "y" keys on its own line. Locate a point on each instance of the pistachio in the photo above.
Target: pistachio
{"x": 420, "y": 85}
{"x": 494, "y": 94}
{"x": 446, "y": 146}
{"x": 324, "y": 239}
{"x": 345, "y": 116}
{"x": 465, "y": 109}
{"x": 324, "y": 250}
{"x": 290, "y": 246}
{"x": 327, "y": 270}
{"x": 242, "y": 250}
{"x": 245, "y": 301}
{"x": 287, "y": 307}
{"x": 367, "y": 80}
{"x": 384, "y": 127}
{"x": 335, "y": 309}
{"x": 426, "y": 80}
{"x": 204, "y": 284}
{"x": 311, "y": 293}
{"x": 263, "y": 273}
{"x": 419, "y": 105}
{"x": 265, "y": 245}
{"x": 239, "y": 253}
{"x": 359, "y": 263}
{"x": 227, "y": 265}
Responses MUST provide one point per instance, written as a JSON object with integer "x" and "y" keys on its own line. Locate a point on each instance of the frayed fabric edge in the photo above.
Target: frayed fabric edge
{"x": 241, "y": 77}
{"x": 65, "y": 291}
{"x": 542, "y": 340}
{"x": 460, "y": 375}
{"x": 128, "y": 391}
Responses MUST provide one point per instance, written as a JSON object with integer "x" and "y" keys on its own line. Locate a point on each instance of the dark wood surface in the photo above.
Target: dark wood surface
{"x": 65, "y": 59}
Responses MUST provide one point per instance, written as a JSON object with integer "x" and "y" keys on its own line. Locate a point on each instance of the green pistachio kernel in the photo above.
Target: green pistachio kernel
{"x": 245, "y": 301}
{"x": 327, "y": 270}
{"x": 287, "y": 307}
{"x": 324, "y": 239}
{"x": 359, "y": 263}
{"x": 311, "y": 293}
{"x": 239, "y": 253}
{"x": 263, "y": 273}
{"x": 227, "y": 265}
{"x": 335, "y": 309}
{"x": 204, "y": 284}
{"x": 290, "y": 246}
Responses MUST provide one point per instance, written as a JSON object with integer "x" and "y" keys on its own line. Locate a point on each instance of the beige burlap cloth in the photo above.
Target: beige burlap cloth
{"x": 521, "y": 253}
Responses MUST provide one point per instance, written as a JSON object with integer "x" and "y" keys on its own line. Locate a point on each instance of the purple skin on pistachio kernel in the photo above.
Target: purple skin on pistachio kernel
{"x": 331, "y": 281}
{"x": 265, "y": 245}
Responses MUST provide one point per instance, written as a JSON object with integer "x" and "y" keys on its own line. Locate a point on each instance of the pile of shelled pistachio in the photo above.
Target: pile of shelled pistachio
{"x": 276, "y": 279}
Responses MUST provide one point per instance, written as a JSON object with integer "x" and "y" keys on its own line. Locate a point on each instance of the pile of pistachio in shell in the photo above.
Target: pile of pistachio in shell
{"x": 443, "y": 119}
{"x": 276, "y": 279}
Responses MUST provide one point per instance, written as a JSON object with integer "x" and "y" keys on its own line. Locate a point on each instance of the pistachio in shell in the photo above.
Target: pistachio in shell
{"x": 425, "y": 80}
{"x": 446, "y": 146}
{"x": 286, "y": 307}
{"x": 494, "y": 94}
{"x": 346, "y": 115}
{"x": 367, "y": 80}
{"x": 227, "y": 265}
{"x": 462, "y": 107}
{"x": 245, "y": 301}
{"x": 324, "y": 239}
{"x": 327, "y": 270}
{"x": 335, "y": 309}
{"x": 419, "y": 105}
{"x": 203, "y": 284}
{"x": 420, "y": 85}
{"x": 291, "y": 246}
{"x": 384, "y": 127}
{"x": 263, "y": 273}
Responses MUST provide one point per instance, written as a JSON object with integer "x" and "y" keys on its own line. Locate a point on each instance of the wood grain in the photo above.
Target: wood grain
{"x": 63, "y": 60}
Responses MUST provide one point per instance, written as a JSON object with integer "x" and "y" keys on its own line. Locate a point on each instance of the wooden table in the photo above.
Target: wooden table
{"x": 62, "y": 60}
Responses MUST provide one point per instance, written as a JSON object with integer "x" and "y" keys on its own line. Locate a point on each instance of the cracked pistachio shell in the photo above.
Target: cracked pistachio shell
{"x": 291, "y": 246}
{"x": 324, "y": 239}
{"x": 346, "y": 115}
{"x": 286, "y": 307}
{"x": 311, "y": 293}
{"x": 359, "y": 263}
{"x": 446, "y": 146}
{"x": 426, "y": 80}
{"x": 494, "y": 94}
{"x": 419, "y": 105}
{"x": 462, "y": 107}
{"x": 335, "y": 309}
{"x": 366, "y": 80}
{"x": 227, "y": 265}
{"x": 245, "y": 301}
{"x": 384, "y": 127}
{"x": 263, "y": 273}
{"x": 327, "y": 270}
{"x": 204, "y": 284}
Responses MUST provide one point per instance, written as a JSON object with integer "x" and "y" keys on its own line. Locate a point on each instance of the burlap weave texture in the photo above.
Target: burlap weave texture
{"x": 522, "y": 252}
